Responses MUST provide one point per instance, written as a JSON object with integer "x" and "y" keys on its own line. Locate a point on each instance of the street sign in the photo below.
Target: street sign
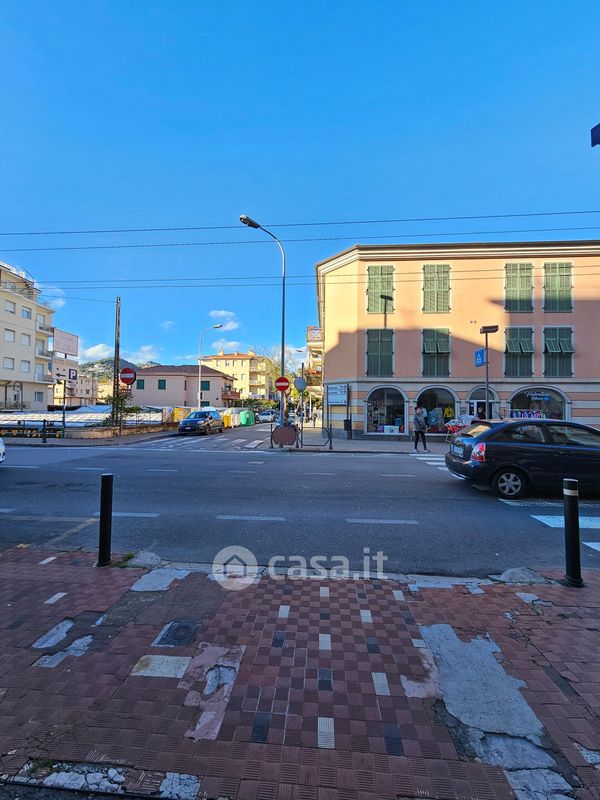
{"x": 480, "y": 357}
{"x": 300, "y": 384}
{"x": 337, "y": 394}
{"x": 282, "y": 384}
{"x": 63, "y": 370}
{"x": 127, "y": 376}
{"x": 72, "y": 375}
{"x": 595, "y": 135}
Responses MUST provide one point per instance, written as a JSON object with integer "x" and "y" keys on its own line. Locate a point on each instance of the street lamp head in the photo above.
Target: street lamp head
{"x": 246, "y": 220}
{"x": 218, "y": 325}
{"x": 489, "y": 329}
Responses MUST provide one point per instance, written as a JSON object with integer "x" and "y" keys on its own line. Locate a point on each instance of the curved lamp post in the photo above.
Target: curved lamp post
{"x": 210, "y": 327}
{"x": 246, "y": 220}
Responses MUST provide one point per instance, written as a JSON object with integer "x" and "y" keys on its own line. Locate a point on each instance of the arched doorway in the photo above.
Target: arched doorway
{"x": 440, "y": 405}
{"x": 386, "y": 411}
{"x": 538, "y": 402}
{"x": 476, "y": 403}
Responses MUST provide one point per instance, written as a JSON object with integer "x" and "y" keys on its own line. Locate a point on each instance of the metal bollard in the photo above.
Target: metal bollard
{"x": 105, "y": 533}
{"x": 45, "y": 432}
{"x": 572, "y": 548}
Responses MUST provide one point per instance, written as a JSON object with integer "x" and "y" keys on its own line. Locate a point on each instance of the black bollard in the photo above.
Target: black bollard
{"x": 44, "y": 432}
{"x": 104, "y": 541}
{"x": 572, "y": 549}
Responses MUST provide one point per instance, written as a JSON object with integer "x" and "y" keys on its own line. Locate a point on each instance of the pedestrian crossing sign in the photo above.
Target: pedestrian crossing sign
{"x": 480, "y": 357}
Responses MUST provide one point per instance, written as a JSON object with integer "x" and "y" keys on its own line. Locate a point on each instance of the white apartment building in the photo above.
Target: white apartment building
{"x": 25, "y": 350}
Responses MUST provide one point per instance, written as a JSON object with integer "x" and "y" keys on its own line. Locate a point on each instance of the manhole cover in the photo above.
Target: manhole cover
{"x": 177, "y": 634}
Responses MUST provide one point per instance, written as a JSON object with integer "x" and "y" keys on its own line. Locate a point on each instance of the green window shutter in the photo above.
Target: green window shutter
{"x": 558, "y": 286}
{"x": 436, "y": 288}
{"x": 380, "y": 282}
{"x": 551, "y": 341}
{"x": 380, "y": 354}
{"x": 443, "y": 340}
{"x": 429, "y": 341}
{"x": 526, "y": 339}
{"x": 519, "y": 287}
{"x": 512, "y": 341}
{"x": 565, "y": 337}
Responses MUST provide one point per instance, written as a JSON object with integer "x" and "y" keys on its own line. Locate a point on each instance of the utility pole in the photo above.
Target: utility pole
{"x": 116, "y": 363}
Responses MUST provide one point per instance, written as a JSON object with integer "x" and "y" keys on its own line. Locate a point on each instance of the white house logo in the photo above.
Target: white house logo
{"x": 235, "y": 568}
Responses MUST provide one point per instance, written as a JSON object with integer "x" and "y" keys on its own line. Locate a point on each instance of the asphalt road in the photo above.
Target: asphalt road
{"x": 185, "y": 499}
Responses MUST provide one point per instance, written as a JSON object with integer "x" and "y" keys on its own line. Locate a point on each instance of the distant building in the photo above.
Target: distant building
{"x": 313, "y": 371}
{"x": 401, "y": 324}
{"x": 105, "y": 389}
{"x": 251, "y": 373}
{"x": 170, "y": 385}
{"x": 25, "y": 350}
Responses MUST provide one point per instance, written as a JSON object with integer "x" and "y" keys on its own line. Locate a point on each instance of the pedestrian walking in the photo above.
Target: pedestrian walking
{"x": 420, "y": 426}
{"x": 314, "y": 418}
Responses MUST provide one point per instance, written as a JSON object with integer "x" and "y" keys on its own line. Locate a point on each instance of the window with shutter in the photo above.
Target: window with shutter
{"x": 436, "y": 352}
{"x": 519, "y": 287}
{"x": 380, "y": 354}
{"x": 558, "y": 352}
{"x": 558, "y": 286}
{"x": 380, "y": 288}
{"x": 436, "y": 288}
{"x": 518, "y": 361}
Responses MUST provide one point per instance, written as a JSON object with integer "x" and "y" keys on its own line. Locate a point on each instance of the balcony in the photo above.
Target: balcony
{"x": 230, "y": 395}
{"x": 45, "y": 328}
{"x": 44, "y": 353}
{"x": 10, "y": 286}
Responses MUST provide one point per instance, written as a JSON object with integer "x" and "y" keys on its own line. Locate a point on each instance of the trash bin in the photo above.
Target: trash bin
{"x": 348, "y": 428}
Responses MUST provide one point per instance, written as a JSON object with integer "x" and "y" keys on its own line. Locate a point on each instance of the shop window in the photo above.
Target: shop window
{"x": 518, "y": 358}
{"x": 519, "y": 287}
{"x": 385, "y": 412}
{"x": 436, "y": 352}
{"x": 558, "y": 352}
{"x": 558, "y": 287}
{"x": 436, "y": 288}
{"x": 538, "y": 403}
{"x": 440, "y": 406}
{"x": 380, "y": 289}
{"x": 380, "y": 355}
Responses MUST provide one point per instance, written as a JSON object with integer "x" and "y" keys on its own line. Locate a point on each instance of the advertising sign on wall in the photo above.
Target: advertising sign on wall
{"x": 66, "y": 343}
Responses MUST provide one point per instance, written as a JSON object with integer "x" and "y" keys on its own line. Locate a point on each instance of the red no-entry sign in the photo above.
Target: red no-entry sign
{"x": 127, "y": 376}
{"x": 282, "y": 384}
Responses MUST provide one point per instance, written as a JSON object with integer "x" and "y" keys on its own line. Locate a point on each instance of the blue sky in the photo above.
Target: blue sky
{"x": 156, "y": 114}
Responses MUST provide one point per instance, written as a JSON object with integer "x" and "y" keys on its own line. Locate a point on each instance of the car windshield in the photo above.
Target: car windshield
{"x": 199, "y": 415}
{"x": 476, "y": 430}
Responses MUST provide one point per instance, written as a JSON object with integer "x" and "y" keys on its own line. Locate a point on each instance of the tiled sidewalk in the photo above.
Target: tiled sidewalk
{"x": 307, "y": 690}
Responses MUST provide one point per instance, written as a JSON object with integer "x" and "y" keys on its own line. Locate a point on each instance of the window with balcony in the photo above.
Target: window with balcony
{"x": 10, "y": 307}
{"x": 26, "y": 339}
{"x": 26, "y": 312}
{"x": 40, "y": 320}
{"x": 518, "y": 353}
{"x": 436, "y": 288}
{"x": 558, "y": 286}
{"x": 8, "y": 363}
{"x": 380, "y": 289}
{"x": 162, "y": 384}
{"x": 436, "y": 352}
{"x": 519, "y": 287}
{"x": 380, "y": 352}
{"x": 9, "y": 335}
{"x": 558, "y": 352}
{"x": 25, "y": 366}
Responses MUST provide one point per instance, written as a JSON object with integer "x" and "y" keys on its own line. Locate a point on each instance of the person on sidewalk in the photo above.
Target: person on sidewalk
{"x": 420, "y": 426}
{"x": 314, "y": 418}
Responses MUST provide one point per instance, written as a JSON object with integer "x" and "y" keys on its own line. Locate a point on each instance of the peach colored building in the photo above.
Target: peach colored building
{"x": 401, "y": 324}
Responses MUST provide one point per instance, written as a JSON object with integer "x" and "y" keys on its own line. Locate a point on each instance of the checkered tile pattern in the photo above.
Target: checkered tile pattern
{"x": 302, "y": 722}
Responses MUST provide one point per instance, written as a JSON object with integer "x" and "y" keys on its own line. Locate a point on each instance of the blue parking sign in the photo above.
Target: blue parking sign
{"x": 480, "y": 357}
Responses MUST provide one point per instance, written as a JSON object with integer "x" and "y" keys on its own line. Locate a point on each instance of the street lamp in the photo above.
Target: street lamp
{"x": 210, "y": 328}
{"x": 246, "y": 220}
{"x": 486, "y": 329}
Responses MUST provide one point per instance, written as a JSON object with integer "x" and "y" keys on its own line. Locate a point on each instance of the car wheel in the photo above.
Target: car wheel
{"x": 509, "y": 483}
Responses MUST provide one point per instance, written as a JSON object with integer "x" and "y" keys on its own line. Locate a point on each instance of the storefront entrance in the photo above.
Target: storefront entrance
{"x": 440, "y": 406}
{"x": 538, "y": 403}
{"x": 476, "y": 403}
{"x": 386, "y": 411}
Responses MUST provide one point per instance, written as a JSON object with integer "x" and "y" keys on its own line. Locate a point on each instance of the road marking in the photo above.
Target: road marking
{"x": 242, "y": 472}
{"x": 320, "y": 473}
{"x": 93, "y": 469}
{"x": 593, "y": 545}
{"x": 218, "y": 439}
{"x": 396, "y": 475}
{"x": 21, "y": 466}
{"x": 559, "y": 522}
{"x": 544, "y": 503}
{"x": 250, "y": 517}
{"x": 162, "y": 470}
{"x": 129, "y": 514}
{"x": 260, "y": 462}
{"x": 76, "y": 529}
{"x": 254, "y": 443}
{"x": 238, "y": 441}
{"x": 6, "y": 510}
{"x": 444, "y": 469}
{"x": 435, "y": 463}
{"x": 55, "y": 598}
{"x": 383, "y": 521}
{"x": 48, "y": 560}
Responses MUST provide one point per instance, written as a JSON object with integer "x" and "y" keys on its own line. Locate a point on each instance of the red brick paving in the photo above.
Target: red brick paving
{"x": 90, "y": 709}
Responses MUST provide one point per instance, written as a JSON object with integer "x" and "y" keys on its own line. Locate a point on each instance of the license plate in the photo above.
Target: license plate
{"x": 457, "y": 450}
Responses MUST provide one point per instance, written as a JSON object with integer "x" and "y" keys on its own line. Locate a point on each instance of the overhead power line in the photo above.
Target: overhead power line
{"x": 293, "y": 241}
{"x": 182, "y": 228}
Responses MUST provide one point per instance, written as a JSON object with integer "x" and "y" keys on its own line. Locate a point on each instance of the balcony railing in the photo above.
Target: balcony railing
{"x": 9, "y": 286}
{"x": 45, "y": 328}
{"x": 44, "y": 353}
{"x": 231, "y": 395}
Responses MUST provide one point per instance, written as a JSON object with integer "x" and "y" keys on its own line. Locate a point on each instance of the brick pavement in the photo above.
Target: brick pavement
{"x": 333, "y": 694}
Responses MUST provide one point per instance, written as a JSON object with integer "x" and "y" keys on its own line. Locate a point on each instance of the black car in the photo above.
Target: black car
{"x": 520, "y": 454}
{"x": 201, "y": 422}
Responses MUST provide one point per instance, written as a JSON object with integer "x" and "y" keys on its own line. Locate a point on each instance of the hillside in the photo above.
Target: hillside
{"x": 103, "y": 368}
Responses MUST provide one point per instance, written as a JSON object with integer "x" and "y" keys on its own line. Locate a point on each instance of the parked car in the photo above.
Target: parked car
{"x": 515, "y": 456}
{"x": 205, "y": 421}
{"x": 267, "y": 416}
{"x": 2, "y": 451}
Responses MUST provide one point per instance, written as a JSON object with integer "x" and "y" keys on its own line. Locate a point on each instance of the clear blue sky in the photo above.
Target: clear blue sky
{"x": 141, "y": 113}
